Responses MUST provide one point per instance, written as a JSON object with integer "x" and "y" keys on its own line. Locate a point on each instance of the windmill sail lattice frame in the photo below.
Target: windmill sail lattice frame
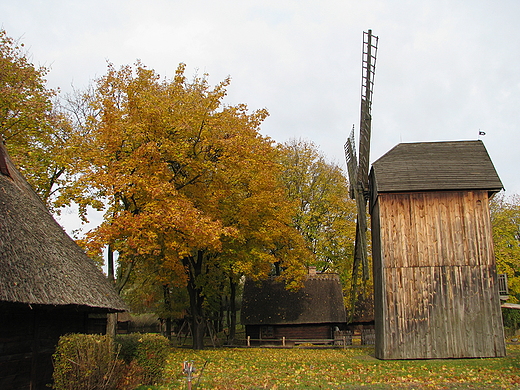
{"x": 358, "y": 168}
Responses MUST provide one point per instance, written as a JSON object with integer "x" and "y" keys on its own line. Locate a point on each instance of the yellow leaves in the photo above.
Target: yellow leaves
{"x": 337, "y": 368}
{"x": 505, "y": 219}
{"x": 325, "y": 216}
{"x": 33, "y": 131}
{"x": 181, "y": 174}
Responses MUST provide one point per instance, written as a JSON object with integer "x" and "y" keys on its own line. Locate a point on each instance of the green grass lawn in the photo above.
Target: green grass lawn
{"x": 351, "y": 368}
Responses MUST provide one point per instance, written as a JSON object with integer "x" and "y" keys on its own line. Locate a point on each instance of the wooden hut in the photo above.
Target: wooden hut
{"x": 436, "y": 293}
{"x": 48, "y": 286}
{"x": 270, "y": 311}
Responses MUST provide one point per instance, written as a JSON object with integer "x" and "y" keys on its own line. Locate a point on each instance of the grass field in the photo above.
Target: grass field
{"x": 351, "y": 368}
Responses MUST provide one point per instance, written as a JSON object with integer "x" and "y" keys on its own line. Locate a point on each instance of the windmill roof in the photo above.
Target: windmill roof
{"x": 430, "y": 166}
{"x": 268, "y": 302}
{"x": 39, "y": 262}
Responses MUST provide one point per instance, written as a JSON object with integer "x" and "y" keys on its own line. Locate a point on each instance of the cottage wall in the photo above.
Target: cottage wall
{"x": 436, "y": 294}
{"x": 29, "y": 336}
{"x": 295, "y": 332}
{"x": 47, "y": 284}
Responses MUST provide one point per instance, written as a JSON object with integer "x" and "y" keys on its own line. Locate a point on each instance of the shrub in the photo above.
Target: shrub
{"x": 86, "y": 362}
{"x": 146, "y": 353}
{"x": 128, "y": 344}
{"x": 132, "y": 376}
{"x": 511, "y": 318}
{"x": 151, "y": 354}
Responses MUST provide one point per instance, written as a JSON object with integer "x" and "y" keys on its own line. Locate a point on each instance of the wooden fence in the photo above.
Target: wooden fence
{"x": 341, "y": 339}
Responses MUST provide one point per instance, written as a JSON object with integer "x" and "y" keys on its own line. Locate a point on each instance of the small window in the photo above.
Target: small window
{"x": 502, "y": 285}
{"x": 267, "y": 332}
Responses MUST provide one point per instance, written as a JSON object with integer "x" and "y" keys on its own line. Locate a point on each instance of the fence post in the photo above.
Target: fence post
{"x": 344, "y": 342}
{"x": 283, "y": 341}
{"x": 248, "y": 341}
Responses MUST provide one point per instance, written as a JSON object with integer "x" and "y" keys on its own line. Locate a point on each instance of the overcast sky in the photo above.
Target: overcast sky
{"x": 445, "y": 68}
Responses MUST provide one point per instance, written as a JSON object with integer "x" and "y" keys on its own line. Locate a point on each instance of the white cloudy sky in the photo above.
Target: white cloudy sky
{"x": 445, "y": 68}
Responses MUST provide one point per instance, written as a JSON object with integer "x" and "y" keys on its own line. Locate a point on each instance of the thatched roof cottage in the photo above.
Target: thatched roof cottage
{"x": 270, "y": 311}
{"x": 48, "y": 286}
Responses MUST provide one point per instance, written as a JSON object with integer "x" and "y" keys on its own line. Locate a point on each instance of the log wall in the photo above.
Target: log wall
{"x": 28, "y": 337}
{"x": 304, "y": 331}
{"x": 436, "y": 293}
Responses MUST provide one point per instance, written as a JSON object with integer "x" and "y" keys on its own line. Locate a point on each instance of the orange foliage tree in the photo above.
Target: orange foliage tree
{"x": 191, "y": 190}
{"x": 34, "y": 132}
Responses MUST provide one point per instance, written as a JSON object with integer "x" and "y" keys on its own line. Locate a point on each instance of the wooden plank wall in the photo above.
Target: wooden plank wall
{"x": 28, "y": 337}
{"x": 434, "y": 263}
{"x": 317, "y": 331}
{"x": 304, "y": 331}
{"x": 379, "y": 296}
{"x": 16, "y": 340}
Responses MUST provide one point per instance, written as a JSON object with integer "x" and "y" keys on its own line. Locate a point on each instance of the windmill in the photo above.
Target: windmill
{"x": 358, "y": 169}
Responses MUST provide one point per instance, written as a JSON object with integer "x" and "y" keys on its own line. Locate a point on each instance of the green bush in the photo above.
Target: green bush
{"x": 96, "y": 362}
{"x": 511, "y": 318}
{"x": 128, "y": 344}
{"x": 86, "y": 362}
{"x": 151, "y": 354}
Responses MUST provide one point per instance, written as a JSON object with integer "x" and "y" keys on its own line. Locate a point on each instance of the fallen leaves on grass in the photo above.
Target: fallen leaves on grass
{"x": 258, "y": 368}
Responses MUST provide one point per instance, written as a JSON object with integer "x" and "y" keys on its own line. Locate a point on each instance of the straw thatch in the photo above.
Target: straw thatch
{"x": 39, "y": 263}
{"x": 269, "y": 303}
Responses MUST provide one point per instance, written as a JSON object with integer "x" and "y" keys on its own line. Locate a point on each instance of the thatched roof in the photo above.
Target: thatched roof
{"x": 435, "y": 166}
{"x": 39, "y": 263}
{"x": 269, "y": 303}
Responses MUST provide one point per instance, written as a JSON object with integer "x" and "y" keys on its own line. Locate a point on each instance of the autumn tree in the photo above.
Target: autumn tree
{"x": 189, "y": 187}
{"x": 256, "y": 205}
{"x": 505, "y": 219}
{"x": 325, "y": 213}
{"x": 144, "y": 293}
{"x": 34, "y": 131}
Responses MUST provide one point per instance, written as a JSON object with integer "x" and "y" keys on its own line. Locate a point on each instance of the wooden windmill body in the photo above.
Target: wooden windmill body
{"x": 435, "y": 283}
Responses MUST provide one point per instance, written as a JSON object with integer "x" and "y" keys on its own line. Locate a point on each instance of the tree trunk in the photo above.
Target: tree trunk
{"x": 168, "y": 329}
{"x": 110, "y": 265}
{"x": 198, "y": 332}
{"x": 232, "y": 310}
{"x": 122, "y": 278}
{"x": 167, "y": 309}
{"x": 194, "y": 267}
{"x": 111, "y": 324}
{"x": 111, "y": 317}
{"x": 219, "y": 323}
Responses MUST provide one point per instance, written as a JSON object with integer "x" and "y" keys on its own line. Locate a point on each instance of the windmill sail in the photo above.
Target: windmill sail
{"x": 352, "y": 168}
{"x": 365, "y": 126}
{"x": 358, "y": 170}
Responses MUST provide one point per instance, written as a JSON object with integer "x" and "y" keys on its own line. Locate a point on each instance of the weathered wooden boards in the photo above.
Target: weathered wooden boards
{"x": 435, "y": 280}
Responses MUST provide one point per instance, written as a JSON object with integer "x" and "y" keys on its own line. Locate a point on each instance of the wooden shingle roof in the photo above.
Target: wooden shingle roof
{"x": 39, "y": 263}
{"x": 435, "y": 166}
{"x": 269, "y": 303}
